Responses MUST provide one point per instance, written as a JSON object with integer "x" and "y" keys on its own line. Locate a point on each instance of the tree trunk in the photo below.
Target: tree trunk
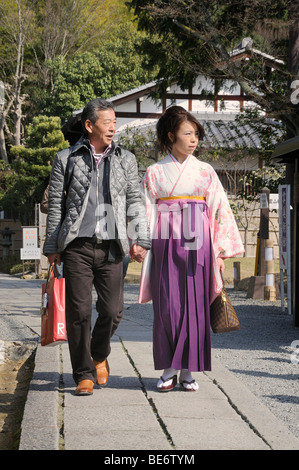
{"x": 3, "y": 152}
{"x": 17, "y": 120}
{"x": 294, "y": 48}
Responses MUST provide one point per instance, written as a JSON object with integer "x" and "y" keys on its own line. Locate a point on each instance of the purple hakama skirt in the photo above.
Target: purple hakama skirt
{"x": 180, "y": 282}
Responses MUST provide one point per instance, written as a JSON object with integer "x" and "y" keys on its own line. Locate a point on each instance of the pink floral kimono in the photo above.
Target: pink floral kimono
{"x": 191, "y": 225}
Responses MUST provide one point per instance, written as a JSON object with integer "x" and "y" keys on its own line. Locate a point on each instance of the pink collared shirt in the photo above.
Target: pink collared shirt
{"x": 99, "y": 156}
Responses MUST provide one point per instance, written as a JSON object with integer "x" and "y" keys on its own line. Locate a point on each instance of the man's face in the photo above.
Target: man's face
{"x": 102, "y": 132}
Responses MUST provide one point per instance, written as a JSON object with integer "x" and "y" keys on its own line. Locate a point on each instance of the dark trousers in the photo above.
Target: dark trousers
{"x": 85, "y": 264}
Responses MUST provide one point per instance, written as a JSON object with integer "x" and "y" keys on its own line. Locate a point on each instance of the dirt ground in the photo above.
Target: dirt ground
{"x": 15, "y": 375}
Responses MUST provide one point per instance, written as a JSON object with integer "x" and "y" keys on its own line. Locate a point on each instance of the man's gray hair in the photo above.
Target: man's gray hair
{"x": 92, "y": 109}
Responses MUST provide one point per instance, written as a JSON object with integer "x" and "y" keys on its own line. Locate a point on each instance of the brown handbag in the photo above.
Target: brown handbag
{"x": 223, "y": 317}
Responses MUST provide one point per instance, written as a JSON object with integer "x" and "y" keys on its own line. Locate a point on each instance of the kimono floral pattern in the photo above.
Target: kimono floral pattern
{"x": 195, "y": 178}
{"x": 169, "y": 178}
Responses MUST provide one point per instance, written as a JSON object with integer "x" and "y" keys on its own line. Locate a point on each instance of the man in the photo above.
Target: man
{"x": 93, "y": 194}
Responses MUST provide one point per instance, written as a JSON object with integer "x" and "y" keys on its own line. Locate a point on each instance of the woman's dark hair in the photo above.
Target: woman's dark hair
{"x": 92, "y": 109}
{"x": 170, "y": 122}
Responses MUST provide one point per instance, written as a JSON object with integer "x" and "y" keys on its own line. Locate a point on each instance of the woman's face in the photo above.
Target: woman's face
{"x": 185, "y": 141}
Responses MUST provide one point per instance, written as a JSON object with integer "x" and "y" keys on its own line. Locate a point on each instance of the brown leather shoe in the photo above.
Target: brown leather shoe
{"x": 84, "y": 387}
{"x": 102, "y": 372}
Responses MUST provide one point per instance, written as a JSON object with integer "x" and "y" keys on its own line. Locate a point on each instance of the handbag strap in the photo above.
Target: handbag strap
{"x": 52, "y": 271}
{"x": 222, "y": 279}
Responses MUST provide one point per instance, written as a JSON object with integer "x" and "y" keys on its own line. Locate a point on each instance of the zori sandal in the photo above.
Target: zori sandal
{"x": 165, "y": 385}
{"x": 189, "y": 386}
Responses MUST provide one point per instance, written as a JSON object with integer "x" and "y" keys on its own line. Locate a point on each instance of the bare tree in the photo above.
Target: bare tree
{"x": 34, "y": 32}
{"x": 16, "y": 21}
{"x": 68, "y": 26}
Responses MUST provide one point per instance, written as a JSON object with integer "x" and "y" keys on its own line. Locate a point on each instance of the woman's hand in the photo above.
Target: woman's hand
{"x": 220, "y": 264}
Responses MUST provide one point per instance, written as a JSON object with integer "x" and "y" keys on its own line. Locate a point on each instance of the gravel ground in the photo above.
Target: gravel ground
{"x": 17, "y": 347}
{"x": 262, "y": 354}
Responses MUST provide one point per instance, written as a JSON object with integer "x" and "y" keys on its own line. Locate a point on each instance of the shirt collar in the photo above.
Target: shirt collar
{"x": 99, "y": 156}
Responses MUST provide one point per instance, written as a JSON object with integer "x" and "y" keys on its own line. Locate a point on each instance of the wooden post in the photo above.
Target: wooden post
{"x": 264, "y": 229}
{"x": 269, "y": 289}
{"x": 295, "y": 254}
{"x": 257, "y": 282}
{"x": 237, "y": 273}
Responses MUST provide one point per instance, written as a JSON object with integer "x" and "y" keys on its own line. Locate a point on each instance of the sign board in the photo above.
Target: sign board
{"x": 263, "y": 201}
{"x": 30, "y": 248}
{"x": 285, "y": 241}
{"x": 284, "y": 224}
{"x": 273, "y": 201}
{"x": 30, "y": 253}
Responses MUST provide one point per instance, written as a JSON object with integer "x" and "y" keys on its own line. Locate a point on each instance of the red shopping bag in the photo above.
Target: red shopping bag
{"x": 53, "y": 323}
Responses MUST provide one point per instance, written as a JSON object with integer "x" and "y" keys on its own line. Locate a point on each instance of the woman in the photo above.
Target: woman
{"x": 193, "y": 231}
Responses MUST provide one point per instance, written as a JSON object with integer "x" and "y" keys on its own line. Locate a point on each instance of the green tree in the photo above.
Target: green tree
{"x": 70, "y": 27}
{"x": 114, "y": 68}
{"x": 36, "y": 33}
{"x": 197, "y": 37}
{"x": 142, "y": 143}
{"x": 23, "y": 181}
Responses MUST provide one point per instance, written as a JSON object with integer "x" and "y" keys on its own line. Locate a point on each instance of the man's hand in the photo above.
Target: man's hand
{"x": 54, "y": 258}
{"x": 138, "y": 253}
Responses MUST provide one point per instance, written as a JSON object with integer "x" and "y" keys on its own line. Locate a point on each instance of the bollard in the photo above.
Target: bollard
{"x": 237, "y": 275}
{"x": 269, "y": 288}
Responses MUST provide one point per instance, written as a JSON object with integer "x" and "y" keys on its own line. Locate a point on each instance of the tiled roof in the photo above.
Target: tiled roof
{"x": 221, "y": 131}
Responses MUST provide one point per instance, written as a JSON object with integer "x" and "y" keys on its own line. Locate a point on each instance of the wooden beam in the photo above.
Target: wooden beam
{"x": 133, "y": 96}
{"x": 187, "y": 96}
{"x": 190, "y": 101}
{"x": 122, "y": 114}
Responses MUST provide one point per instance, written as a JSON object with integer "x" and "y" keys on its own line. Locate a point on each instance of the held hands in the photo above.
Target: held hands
{"x": 138, "y": 253}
